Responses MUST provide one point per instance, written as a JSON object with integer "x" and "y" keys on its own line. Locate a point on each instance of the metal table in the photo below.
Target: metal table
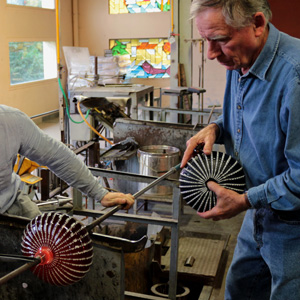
{"x": 185, "y": 97}
{"x": 138, "y": 93}
{"x": 172, "y": 221}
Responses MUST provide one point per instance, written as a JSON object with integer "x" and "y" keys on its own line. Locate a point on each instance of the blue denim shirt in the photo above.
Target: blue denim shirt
{"x": 260, "y": 125}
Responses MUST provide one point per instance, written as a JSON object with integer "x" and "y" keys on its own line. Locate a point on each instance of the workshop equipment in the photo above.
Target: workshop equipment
{"x": 155, "y": 160}
{"x": 136, "y": 195}
{"x": 107, "y": 112}
{"x": 162, "y": 290}
{"x": 147, "y": 133}
{"x": 135, "y": 93}
{"x": 120, "y": 151}
{"x": 62, "y": 244}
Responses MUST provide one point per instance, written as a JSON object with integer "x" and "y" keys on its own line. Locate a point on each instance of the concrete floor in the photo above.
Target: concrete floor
{"x": 231, "y": 227}
{"x": 192, "y": 224}
{"x": 190, "y": 221}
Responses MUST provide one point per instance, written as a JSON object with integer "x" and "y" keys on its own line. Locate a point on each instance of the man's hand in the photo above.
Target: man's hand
{"x": 207, "y": 136}
{"x": 229, "y": 203}
{"x": 112, "y": 199}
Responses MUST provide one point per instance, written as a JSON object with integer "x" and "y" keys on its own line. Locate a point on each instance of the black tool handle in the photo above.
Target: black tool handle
{"x": 20, "y": 270}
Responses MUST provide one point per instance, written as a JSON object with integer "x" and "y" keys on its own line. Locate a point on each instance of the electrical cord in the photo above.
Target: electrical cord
{"x": 67, "y": 106}
{"x": 91, "y": 127}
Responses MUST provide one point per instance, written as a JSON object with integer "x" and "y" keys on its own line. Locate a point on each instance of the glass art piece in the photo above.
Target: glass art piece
{"x": 64, "y": 246}
{"x": 147, "y": 58}
{"x": 218, "y": 167}
{"x": 137, "y": 6}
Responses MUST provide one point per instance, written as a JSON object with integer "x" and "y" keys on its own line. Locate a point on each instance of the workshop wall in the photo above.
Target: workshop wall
{"x": 19, "y": 24}
{"x": 93, "y": 29}
{"x": 286, "y": 16}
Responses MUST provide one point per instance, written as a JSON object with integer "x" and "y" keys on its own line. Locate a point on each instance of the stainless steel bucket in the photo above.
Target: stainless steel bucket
{"x": 155, "y": 161}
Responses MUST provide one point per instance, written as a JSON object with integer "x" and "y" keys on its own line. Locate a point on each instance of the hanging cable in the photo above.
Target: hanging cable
{"x": 67, "y": 105}
{"x": 92, "y": 128}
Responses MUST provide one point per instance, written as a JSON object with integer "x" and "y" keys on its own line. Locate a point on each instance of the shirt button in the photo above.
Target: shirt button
{"x": 239, "y": 107}
{"x": 239, "y": 130}
{"x": 236, "y": 154}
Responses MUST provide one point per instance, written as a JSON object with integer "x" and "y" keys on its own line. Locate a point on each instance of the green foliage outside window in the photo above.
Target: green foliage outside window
{"x": 26, "y": 61}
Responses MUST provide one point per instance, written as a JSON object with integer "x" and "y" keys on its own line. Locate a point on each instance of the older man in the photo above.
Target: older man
{"x": 260, "y": 128}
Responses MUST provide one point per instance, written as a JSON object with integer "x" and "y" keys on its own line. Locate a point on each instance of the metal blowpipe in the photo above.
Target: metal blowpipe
{"x": 136, "y": 195}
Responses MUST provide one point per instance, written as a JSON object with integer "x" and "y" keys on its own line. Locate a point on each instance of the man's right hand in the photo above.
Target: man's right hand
{"x": 112, "y": 199}
{"x": 207, "y": 136}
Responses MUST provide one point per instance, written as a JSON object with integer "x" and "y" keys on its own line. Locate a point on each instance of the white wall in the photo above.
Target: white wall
{"x": 17, "y": 24}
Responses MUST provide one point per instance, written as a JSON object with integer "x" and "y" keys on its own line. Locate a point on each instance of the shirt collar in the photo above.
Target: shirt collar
{"x": 266, "y": 57}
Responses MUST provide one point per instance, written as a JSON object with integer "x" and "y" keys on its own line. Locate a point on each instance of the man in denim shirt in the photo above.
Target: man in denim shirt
{"x": 260, "y": 128}
{"x": 18, "y": 134}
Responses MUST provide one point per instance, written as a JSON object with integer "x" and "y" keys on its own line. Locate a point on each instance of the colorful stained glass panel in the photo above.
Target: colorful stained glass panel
{"x": 138, "y": 6}
{"x": 147, "y": 58}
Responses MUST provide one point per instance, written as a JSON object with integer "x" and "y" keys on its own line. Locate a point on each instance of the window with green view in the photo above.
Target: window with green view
{"x": 32, "y": 61}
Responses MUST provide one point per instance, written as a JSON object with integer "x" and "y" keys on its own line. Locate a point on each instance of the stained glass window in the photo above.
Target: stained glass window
{"x": 147, "y": 58}
{"x": 138, "y": 6}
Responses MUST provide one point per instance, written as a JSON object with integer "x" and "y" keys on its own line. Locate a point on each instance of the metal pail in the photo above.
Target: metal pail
{"x": 157, "y": 160}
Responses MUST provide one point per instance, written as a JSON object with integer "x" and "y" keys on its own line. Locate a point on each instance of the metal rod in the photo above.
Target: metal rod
{"x": 60, "y": 202}
{"x": 44, "y": 114}
{"x": 156, "y": 181}
{"x": 7, "y": 257}
{"x": 104, "y": 217}
{"x": 18, "y": 271}
{"x": 136, "y": 195}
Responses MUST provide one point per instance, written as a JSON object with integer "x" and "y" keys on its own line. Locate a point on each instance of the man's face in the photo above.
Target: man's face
{"x": 233, "y": 48}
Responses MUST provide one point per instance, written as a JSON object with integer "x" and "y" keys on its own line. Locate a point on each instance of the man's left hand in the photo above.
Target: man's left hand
{"x": 229, "y": 203}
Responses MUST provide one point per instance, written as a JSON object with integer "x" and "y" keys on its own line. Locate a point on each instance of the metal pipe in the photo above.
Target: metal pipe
{"x": 20, "y": 270}
{"x": 57, "y": 33}
{"x": 136, "y": 195}
{"x": 75, "y": 23}
{"x": 60, "y": 202}
{"x": 44, "y": 114}
{"x": 9, "y": 257}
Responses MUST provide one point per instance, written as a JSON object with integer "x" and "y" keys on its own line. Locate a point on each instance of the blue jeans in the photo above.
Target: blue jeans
{"x": 266, "y": 261}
